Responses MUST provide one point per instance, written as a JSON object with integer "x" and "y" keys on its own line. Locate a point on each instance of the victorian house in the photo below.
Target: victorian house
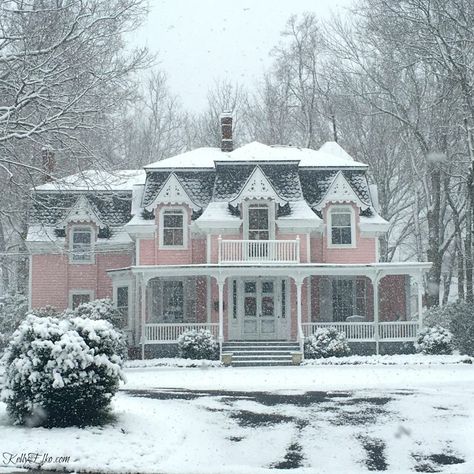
{"x": 261, "y": 245}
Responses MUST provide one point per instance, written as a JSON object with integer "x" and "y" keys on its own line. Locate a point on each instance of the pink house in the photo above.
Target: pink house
{"x": 262, "y": 245}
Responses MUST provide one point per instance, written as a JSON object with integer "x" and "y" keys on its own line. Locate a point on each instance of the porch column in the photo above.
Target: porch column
{"x": 299, "y": 283}
{"x": 375, "y": 284}
{"x": 220, "y": 287}
{"x": 143, "y": 284}
{"x": 419, "y": 281}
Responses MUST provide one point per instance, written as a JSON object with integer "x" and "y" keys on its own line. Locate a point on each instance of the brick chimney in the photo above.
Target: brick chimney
{"x": 48, "y": 164}
{"x": 226, "y": 132}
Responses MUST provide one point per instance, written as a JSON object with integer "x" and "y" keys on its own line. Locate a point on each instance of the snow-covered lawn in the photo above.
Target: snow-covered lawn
{"x": 312, "y": 419}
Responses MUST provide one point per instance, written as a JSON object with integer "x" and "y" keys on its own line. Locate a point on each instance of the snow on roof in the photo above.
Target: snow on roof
{"x": 329, "y": 155}
{"x": 97, "y": 180}
{"x": 199, "y": 158}
{"x": 300, "y": 210}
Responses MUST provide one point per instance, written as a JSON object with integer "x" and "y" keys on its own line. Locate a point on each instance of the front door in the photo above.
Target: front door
{"x": 260, "y": 309}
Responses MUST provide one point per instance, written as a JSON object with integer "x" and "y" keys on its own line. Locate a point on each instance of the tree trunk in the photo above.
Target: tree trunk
{"x": 468, "y": 241}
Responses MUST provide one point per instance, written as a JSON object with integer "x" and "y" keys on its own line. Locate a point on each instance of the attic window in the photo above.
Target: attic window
{"x": 81, "y": 245}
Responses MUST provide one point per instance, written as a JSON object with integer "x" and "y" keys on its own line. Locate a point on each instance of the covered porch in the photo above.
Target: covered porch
{"x": 370, "y": 303}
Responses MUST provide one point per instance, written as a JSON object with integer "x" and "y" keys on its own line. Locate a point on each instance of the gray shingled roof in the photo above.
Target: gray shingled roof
{"x": 198, "y": 185}
{"x": 51, "y": 208}
{"x": 315, "y": 184}
{"x": 230, "y": 179}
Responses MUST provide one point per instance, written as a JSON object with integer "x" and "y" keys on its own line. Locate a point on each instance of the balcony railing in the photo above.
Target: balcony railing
{"x": 259, "y": 251}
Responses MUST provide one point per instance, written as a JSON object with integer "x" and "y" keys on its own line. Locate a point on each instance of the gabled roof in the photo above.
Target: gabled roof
{"x": 341, "y": 191}
{"x": 173, "y": 192}
{"x": 257, "y": 186}
{"x": 82, "y": 212}
{"x": 315, "y": 184}
{"x": 198, "y": 185}
{"x": 112, "y": 208}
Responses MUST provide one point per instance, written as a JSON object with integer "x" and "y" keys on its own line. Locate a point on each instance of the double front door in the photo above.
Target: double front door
{"x": 260, "y": 309}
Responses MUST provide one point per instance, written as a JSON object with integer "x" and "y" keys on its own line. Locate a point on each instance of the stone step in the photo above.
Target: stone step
{"x": 259, "y": 349}
{"x": 261, "y": 357}
{"x": 258, "y": 353}
{"x": 260, "y": 363}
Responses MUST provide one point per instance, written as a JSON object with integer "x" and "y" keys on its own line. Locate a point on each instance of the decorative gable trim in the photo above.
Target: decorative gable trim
{"x": 172, "y": 193}
{"x": 257, "y": 186}
{"x": 340, "y": 191}
{"x": 82, "y": 213}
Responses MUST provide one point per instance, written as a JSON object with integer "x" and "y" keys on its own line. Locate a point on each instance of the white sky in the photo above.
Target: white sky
{"x": 200, "y": 41}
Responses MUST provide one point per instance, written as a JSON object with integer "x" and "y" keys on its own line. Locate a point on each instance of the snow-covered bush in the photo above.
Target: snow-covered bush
{"x": 100, "y": 309}
{"x": 326, "y": 342}
{"x": 13, "y": 308}
{"x": 198, "y": 345}
{"x": 444, "y": 315}
{"x": 61, "y": 372}
{"x": 462, "y": 328}
{"x": 434, "y": 340}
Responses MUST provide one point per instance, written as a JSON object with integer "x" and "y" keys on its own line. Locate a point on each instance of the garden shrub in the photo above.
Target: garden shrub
{"x": 61, "y": 372}
{"x": 326, "y": 342}
{"x": 434, "y": 340}
{"x": 459, "y": 318}
{"x": 100, "y": 309}
{"x": 198, "y": 344}
{"x": 462, "y": 328}
{"x": 13, "y": 307}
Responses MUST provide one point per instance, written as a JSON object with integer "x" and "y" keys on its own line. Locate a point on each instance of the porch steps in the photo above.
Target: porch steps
{"x": 260, "y": 353}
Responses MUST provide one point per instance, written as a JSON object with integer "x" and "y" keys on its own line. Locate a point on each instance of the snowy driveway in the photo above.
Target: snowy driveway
{"x": 306, "y": 420}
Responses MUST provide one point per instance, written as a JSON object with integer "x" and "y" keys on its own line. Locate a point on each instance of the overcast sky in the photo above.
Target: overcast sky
{"x": 199, "y": 41}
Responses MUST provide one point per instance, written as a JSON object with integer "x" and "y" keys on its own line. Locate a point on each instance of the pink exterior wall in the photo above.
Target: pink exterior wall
{"x": 53, "y": 277}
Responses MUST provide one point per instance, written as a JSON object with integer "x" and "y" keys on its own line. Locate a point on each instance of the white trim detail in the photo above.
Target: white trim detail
{"x": 172, "y": 192}
{"x": 82, "y": 212}
{"x": 257, "y": 186}
{"x": 341, "y": 210}
{"x": 340, "y": 191}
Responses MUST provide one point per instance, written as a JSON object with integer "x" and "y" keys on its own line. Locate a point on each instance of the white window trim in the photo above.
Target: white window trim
{"x": 337, "y": 210}
{"x": 80, "y": 292}
{"x": 185, "y": 213}
{"x": 271, "y": 216}
{"x": 129, "y": 298}
{"x": 72, "y": 229}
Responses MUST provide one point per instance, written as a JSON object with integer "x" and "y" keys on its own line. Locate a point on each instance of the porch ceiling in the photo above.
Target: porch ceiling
{"x": 304, "y": 270}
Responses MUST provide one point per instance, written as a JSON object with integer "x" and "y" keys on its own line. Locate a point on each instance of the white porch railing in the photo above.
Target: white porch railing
{"x": 398, "y": 330}
{"x": 256, "y": 251}
{"x": 365, "y": 331}
{"x": 162, "y": 333}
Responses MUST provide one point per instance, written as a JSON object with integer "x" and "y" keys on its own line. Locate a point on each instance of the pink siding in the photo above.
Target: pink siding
{"x": 393, "y": 298}
{"x": 53, "y": 277}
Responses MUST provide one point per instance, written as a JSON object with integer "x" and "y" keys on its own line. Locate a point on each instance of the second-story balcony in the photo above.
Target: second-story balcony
{"x": 259, "y": 251}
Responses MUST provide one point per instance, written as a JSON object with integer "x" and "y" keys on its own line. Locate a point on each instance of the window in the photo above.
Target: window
{"x": 234, "y": 299}
{"x": 173, "y": 301}
{"x": 81, "y": 245}
{"x": 122, "y": 305}
{"x": 173, "y": 228}
{"x": 349, "y": 298}
{"x": 341, "y": 227}
{"x": 259, "y": 228}
{"x": 79, "y": 297}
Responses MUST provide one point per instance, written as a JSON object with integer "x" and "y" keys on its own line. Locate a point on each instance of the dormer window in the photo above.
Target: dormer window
{"x": 81, "y": 242}
{"x": 173, "y": 228}
{"x": 259, "y": 222}
{"x": 341, "y": 227}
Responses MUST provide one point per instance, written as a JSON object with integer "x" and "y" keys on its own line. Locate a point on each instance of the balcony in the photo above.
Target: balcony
{"x": 259, "y": 251}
